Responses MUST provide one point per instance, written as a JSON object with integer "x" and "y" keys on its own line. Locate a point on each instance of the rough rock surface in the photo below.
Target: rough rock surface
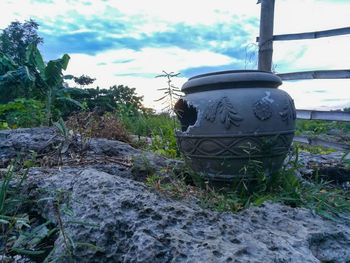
{"x": 114, "y": 157}
{"x": 12, "y": 142}
{"x": 137, "y": 224}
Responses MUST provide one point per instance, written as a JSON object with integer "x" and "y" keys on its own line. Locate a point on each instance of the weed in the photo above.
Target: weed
{"x": 26, "y": 236}
{"x": 171, "y": 92}
{"x": 166, "y": 144}
{"x": 314, "y": 149}
{"x": 4, "y": 126}
{"x": 282, "y": 186}
{"x": 61, "y": 201}
{"x": 17, "y": 235}
{"x": 142, "y": 167}
{"x": 344, "y": 162}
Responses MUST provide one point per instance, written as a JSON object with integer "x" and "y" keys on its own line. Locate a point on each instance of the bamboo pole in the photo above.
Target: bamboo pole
{"x": 266, "y": 35}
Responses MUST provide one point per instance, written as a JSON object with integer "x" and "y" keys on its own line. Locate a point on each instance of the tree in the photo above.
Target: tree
{"x": 112, "y": 99}
{"x": 127, "y": 96}
{"x": 16, "y": 81}
{"x": 37, "y": 79}
{"x": 15, "y": 39}
{"x": 83, "y": 80}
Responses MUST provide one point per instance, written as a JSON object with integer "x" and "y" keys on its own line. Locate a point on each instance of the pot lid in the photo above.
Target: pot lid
{"x": 231, "y": 79}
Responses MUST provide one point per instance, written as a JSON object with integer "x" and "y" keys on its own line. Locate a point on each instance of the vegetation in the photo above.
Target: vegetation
{"x": 171, "y": 92}
{"x": 26, "y": 80}
{"x": 23, "y": 233}
{"x": 284, "y": 187}
{"x": 16, "y": 38}
{"x": 317, "y": 127}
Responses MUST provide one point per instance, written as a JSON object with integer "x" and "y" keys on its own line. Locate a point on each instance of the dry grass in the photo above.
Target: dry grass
{"x": 92, "y": 125}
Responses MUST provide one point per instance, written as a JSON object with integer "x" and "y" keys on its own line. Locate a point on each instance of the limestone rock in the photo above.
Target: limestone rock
{"x": 28, "y": 140}
{"x": 136, "y": 224}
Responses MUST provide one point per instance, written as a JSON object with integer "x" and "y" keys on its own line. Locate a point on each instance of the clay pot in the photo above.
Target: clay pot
{"x": 231, "y": 119}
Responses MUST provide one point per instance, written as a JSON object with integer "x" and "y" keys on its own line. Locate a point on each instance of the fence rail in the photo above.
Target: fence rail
{"x": 311, "y": 35}
{"x": 316, "y": 74}
{"x": 323, "y": 115}
{"x": 266, "y": 39}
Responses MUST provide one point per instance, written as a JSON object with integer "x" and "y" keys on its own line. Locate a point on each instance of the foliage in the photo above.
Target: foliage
{"x": 36, "y": 80}
{"x": 116, "y": 98}
{"x": 22, "y": 113}
{"x": 84, "y": 80}
{"x": 148, "y": 124}
{"x": 15, "y": 39}
{"x": 31, "y": 237}
{"x": 165, "y": 144}
{"x": 314, "y": 149}
{"x": 24, "y": 74}
{"x": 160, "y": 128}
{"x": 4, "y": 126}
{"x": 16, "y": 81}
{"x": 17, "y": 234}
{"x": 345, "y": 162}
{"x": 320, "y": 127}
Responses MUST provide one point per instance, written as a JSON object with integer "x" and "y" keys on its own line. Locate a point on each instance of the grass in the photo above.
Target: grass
{"x": 314, "y": 149}
{"x": 27, "y": 235}
{"x": 159, "y": 127}
{"x": 318, "y": 127}
{"x": 284, "y": 187}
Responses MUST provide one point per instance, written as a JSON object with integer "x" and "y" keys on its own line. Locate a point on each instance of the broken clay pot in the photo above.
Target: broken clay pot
{"x": 230, "y": 118}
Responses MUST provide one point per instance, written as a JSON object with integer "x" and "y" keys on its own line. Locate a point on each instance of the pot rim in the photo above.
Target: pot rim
{"x": 231, "y": 79}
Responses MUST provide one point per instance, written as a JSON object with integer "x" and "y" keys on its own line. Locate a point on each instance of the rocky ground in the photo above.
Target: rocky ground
{"x": 102, "y": 182}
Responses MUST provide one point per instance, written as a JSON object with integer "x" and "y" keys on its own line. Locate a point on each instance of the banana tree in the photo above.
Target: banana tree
{"x": 42, "y": 80}
{"x": 50, "y": 77}
{"x": 15, "y": 80}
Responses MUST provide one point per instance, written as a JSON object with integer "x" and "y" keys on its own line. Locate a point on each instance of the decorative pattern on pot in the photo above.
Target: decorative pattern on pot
{"x": 227, "y": 113}
{"x": 288, "y": 112}
{"x": 234, "y": 147}
{"x": 230, "y": 118}
{"x": 262, "y": 108}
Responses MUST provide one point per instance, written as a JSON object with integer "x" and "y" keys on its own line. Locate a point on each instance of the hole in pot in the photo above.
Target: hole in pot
{"x": 187, "y": 114}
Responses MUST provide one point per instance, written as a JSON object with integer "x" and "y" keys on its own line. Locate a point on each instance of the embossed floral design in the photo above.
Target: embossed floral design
{"x": 227, "y": 113}
{"x": 262, "y": 108}
{"x": 288, "y": 111}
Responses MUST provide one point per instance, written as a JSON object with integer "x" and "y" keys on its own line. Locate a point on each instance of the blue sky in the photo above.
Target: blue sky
{"x": 130, "y": 42}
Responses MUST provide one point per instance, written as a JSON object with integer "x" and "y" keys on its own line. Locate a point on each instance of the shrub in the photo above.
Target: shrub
{"x": 92, "y": 125}
{"x": 22, "y": 113}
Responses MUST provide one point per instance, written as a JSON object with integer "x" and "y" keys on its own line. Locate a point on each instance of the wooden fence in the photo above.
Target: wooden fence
{"x": 266, "y": 39}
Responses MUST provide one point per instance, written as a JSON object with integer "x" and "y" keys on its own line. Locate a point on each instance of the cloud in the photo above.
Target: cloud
{"x": 129, "y": 42}
{"x": 317, "y": 54}
{"x": 190, "y": 72}
{"x": 123, "y": 61}
{"x": 97, "y": 35}
{"x": 307, "y": 95}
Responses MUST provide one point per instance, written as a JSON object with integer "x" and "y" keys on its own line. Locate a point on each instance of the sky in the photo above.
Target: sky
{"x": 129, "y": 42}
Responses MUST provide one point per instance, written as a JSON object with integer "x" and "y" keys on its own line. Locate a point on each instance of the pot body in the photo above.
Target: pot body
{"x": 232, "y": 118}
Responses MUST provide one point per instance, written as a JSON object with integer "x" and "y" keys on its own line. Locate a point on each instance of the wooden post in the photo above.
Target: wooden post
{"x": 266, "y": 35}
